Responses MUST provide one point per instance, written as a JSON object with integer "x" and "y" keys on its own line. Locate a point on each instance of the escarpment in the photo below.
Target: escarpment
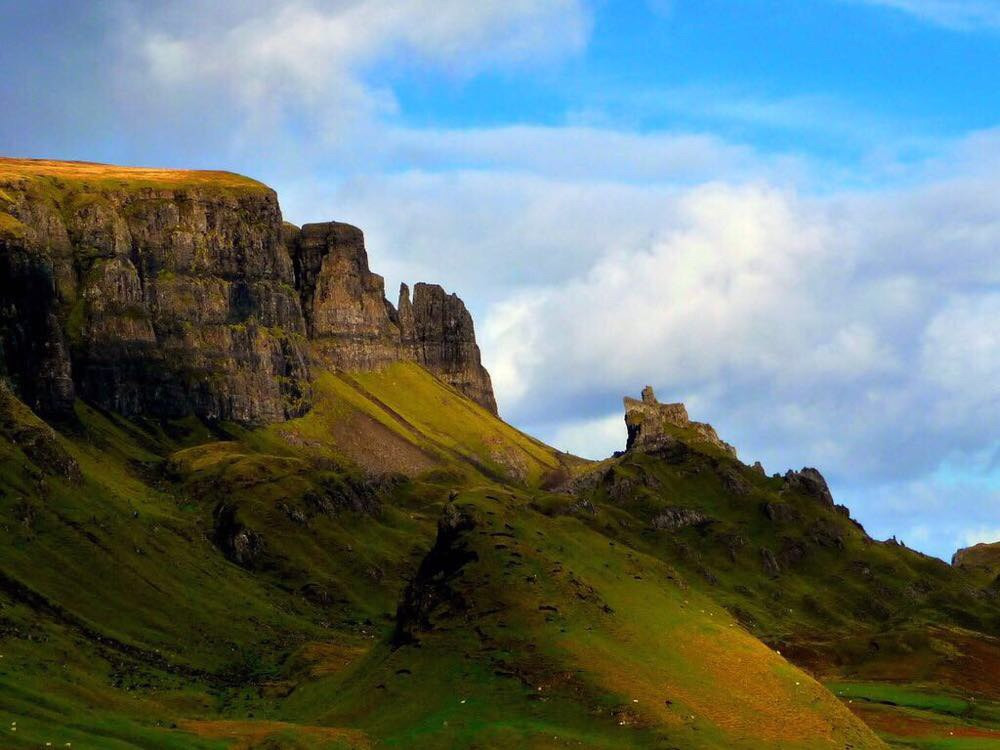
{"x": 159, "y": 298}
{"x": 168, "y": 293}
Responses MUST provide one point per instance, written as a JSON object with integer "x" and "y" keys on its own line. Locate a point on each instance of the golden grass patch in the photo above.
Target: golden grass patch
{"x": 331, "y": 658}
{"x": 79, "y": 171}
{"x": 897, "y": 723}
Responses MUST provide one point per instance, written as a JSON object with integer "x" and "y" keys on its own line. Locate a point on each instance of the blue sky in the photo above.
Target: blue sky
{"x": 785, "y": 213}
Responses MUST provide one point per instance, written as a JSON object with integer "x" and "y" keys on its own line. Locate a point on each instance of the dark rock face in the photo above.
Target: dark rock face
{"x": 354, "y": 327}
{"x": 769, "y": 563}
{"x": 431, "y": 588}
{"x": 31, "y": 338}
{"x": 780, "y": 512}
{"x": 672, "y": 519}
{"x": 343, "y": 301}
{"x": 167, "y": 301}
{"x": 443, "y": 340}
{"x": 150, "y": 301}
{"x": 240, "y": 544}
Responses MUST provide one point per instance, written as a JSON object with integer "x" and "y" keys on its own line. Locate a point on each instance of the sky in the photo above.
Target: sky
{"x": 785, "y": 213}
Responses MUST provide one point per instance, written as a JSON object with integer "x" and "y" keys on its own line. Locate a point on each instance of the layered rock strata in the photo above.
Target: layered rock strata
{"x": 155, "y": 300}
{"x": 167, "y": 293}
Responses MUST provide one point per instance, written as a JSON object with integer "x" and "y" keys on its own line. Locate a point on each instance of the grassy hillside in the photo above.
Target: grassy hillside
{"x": 806, "y": 579}
{"x": 186, "y": 585}
{"x": 59, "y": 175}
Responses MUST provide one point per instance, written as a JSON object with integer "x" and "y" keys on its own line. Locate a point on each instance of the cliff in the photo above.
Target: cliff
{"x": 163, "y": 293}
{"x": 437, "y": 331}
{"x": 148, "y": 293}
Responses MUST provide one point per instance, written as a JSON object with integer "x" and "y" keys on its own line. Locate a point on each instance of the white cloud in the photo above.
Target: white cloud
{"x": 963, "y": 15}
{"x": 961, "y": 348}
{"x": 307, "y": 61}
{"x": 823, "y": 330}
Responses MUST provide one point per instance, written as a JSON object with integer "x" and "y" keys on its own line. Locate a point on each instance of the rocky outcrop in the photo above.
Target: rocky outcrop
{"x": 163, "y": 294}
{"x": 35, "y": 439}
{"x": 431, "y": 588}
{"x": 437, "y": 329}
{"x": 811, "y": 483}
{"x": 982, "y": 557}
{"x": 354, "y": 327}
{"x": 672, "y": 519}
{"x": 654, "y": 427}
{"x": 346, "y": 312}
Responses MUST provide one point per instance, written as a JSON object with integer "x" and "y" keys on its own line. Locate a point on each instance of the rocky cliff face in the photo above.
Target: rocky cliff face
{"x": 162, "y": 294}
{"x": 354, "y": 327}
{"x": 437, "y": 331}
{"x": 983, "y": 557}
{"x": 653, "y": 426}
{"x": 346, "y": 313}
{"x": 159, "y": 298}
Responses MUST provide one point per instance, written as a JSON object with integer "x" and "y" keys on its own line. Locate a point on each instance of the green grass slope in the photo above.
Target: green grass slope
{"x": 523, "y": 630}
{"x": 803, "y": 577}
{"x": 205, "y": 586}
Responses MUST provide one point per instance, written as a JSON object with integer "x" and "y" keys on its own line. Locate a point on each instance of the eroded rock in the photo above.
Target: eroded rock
{"x": 654, "y": 427}
{"x": 193, "y": 297}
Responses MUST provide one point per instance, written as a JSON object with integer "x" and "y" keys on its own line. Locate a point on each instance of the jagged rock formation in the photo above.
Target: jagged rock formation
{"x": 809, "y": 482}
{"x": 343, "y": 302}
{"x": 654, "y": 427}
{"x": 354, "y": 327}
{"x": 163, "y": 294}
{"x": 437, "y": 329}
